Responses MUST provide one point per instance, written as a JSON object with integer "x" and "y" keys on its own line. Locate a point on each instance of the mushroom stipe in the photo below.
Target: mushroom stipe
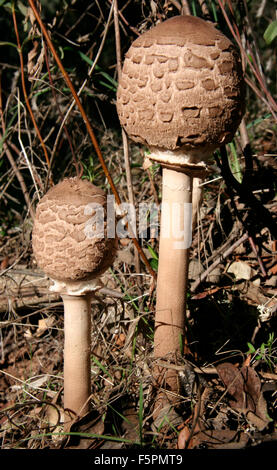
{"x": 181, "y": 94}
{"x": 74, "y": 262}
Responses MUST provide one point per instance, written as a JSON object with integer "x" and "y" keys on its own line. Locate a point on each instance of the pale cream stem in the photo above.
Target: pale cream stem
{"x": 77, "y": 363}
{"x": 173, "y": 265}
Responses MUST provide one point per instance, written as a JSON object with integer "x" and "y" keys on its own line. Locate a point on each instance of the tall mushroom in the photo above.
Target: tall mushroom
{"x": 70, "y": 245}
{"x": 181, "y": 93}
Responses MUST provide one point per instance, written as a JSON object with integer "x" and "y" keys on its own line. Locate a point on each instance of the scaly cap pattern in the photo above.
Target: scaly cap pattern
{"x": 61, "y": 245}
{"x": 181, "y": 87}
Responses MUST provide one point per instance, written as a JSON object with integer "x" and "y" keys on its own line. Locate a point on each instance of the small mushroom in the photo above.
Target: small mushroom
{"x": 70, "y": 245}
{"x": 181, "y": 94}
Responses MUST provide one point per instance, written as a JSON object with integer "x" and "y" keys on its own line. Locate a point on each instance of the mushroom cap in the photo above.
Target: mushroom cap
{"x": 181, "y": 88}
{"x": 66, "y": 240}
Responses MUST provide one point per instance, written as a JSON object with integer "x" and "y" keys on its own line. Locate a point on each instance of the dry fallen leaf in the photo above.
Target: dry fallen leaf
{"x": 35, "y": 60}
{"x": 273, "y": 269}
{"x": 44, "y": 324}
{"x": 219, "y": 439}
{"x": 166, "y": 416}
{"x": 241, "y": 270}
{"x": 130, "y": 423}
{"x": 120, "y": 340}
{"x": 28, "y": 334}
{"x": 244, "y": 386}
{"x": 4, "y": 263}
{"x": 90, "y": 425}
{"x": 183, "y": 437}
{"x": 233, "y": 381}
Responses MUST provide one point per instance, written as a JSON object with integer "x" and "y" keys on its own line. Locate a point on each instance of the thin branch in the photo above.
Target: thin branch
{"x": 185, "y": 7}
{"x": 135, "y": 30}
{"x": 218, "y": 261}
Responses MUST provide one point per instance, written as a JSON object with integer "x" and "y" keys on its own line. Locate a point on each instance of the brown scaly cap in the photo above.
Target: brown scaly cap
{"x": 62, "y": 246}
{"x": 181, "y": 87}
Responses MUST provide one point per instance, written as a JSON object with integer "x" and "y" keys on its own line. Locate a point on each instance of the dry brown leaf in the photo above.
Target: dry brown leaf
{"x": 4, "y": 263}
{"x": 120, "y": 340}
{"x": 233, "y": 381}
{"x": 273, "y": 269}
{"x": 244, "y": 386}
{"x": 219, "y": 439}
{"x": 35, "y": 61}
{"x": 55, "y": 418}
{"x": 183, "y": 438}
{"x": 44, "y": 324}
{"x": 241, "y": 270}
{"x": 28, "y": 334}
{"x": 54, "y": 414}
{"x": 253, "y": 294}
{"x": 166, "y": 416}
{"x": 130, "y": 424}
{"x": 92, "y": 424}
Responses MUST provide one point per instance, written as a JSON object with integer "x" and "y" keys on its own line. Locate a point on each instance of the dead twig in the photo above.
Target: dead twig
{"x": 134, "y": 30}
{"x": 217, "y": 261}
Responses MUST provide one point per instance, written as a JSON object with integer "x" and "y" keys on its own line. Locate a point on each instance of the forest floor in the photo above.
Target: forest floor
{"x": 230, "y": 333}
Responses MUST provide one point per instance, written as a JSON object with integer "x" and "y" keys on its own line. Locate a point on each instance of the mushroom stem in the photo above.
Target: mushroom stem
{"x": 175, "y": 239}
{"x": 77, "y": 365}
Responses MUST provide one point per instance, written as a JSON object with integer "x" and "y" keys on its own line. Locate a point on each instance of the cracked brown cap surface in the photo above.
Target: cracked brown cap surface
{"x": 181, "y": 87}
{"x": 69, "y": 242}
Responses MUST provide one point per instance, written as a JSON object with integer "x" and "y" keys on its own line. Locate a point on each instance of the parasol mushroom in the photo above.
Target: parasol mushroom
{"x": 70, "y": 245}
{"x": 181, "y": 94}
